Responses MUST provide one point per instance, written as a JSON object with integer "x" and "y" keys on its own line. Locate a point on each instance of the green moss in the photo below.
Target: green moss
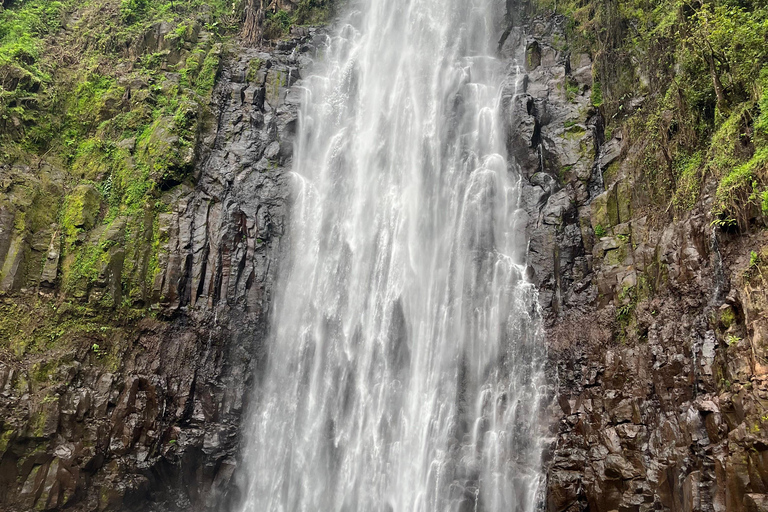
{"x": 5, "y": 439}
{"x": 565, "y": 172}
{"x": 703, "y": 71}
{"x": 690, "y": 175}
{"x": 153, "y": 267}
{"x": 81, "y": 209}
{"x": 739, "y": 190}
{"x": 571, "y": 89}
{"x": 42, "y": 372}
{"x": 54, "y": 333}
{"x": 37, "y": 422}
{"x": 254, "y": 65}
{"x": 724, "y": 150}
{"x": 192, "y": 66}
{"x": 118, "y": 132}
{"x": 574, "y": 132}
{"x": 21, "y": 48}
{"x": 596, "y": 97}
{"x": 611, "y": 173}
{"x": 208, "y": 73}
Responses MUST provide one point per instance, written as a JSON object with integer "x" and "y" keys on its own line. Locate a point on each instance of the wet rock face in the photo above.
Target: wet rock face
{"x": 656, "y": 330}
{"x": 554, "y": 137}
{"x": 657, "y": 333}
{"x": 147, "y": 416}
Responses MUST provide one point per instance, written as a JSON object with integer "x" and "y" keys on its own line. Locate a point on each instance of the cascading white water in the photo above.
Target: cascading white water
{"x": 404, "y": 366}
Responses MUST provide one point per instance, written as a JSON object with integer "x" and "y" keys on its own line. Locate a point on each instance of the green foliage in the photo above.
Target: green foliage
{"x": 702, "y": 68}
{"x": 21, "y": 47}
{"x": 689, "y": 176}
{"x": 312, "y": 12}
{"x": 757, "y": 260}
{"x": 121, "y": 130}
{"x": 276, "y": 24}
{"x": 132, "y": 10}
{"x": 208, "y": 74}
{"x": 596, "y": 97}
{"x": 600, "y": 231}
{"x": 729, "y": 39}
{"x": 761, "y": 123}
{"x": 51, "y": 333}
{"x": 764, "y": 202}
{"x": 738, "y": 190}
{"x": 628, "y": 300}
{"x": 57, "y": 86}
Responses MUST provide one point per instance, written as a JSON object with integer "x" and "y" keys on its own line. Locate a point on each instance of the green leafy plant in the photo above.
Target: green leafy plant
{"x": 600, "y": 231}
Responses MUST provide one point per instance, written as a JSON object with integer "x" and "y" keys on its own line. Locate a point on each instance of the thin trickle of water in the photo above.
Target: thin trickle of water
{"x": 718, "y": 275}
{"x": 405, "y": 359}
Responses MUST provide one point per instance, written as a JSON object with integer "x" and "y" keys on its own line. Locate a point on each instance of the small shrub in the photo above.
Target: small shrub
{"x": 276, "y": 24}
{"x": 600, "y": 231}
{"x": 132, "y": 10}
{"x": 737, "y": 190}
{"x": 764, "y": 202}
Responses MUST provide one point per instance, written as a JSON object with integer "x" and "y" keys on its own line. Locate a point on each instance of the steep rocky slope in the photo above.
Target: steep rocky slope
{"x": 108, "y": 406}
{"x": 656, "y": 324}
{"x": 136, "y": 270}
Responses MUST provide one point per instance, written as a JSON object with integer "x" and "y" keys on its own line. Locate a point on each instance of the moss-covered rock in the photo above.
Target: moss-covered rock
{"x": 624, "y": 201}
{"x": 605, "y": 210}
{"x": 81, "y": 210}
{"x": 168, "y": 156}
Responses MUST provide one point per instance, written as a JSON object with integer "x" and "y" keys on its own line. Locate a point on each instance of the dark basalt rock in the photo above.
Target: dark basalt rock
{"x": 159, "y": 427}
{"x": 655, "y": 334}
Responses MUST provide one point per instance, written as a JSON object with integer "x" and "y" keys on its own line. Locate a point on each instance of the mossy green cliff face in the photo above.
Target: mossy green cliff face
{"x": 639, "y": 128}
{"x": 142, "y": 192}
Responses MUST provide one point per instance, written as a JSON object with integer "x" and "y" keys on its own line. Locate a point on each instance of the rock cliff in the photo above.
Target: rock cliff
{"x": 111, "y": 409}
{"x": 655, "y": 325}
{"x": 129, "y": 339}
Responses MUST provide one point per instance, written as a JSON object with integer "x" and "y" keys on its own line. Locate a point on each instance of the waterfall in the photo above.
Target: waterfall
{"x": 405, "y": 362}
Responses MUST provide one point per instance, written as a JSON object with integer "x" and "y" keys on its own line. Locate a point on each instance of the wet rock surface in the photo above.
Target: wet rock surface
{"x": 144, "y": 412}
{"x": 655, "y": 329}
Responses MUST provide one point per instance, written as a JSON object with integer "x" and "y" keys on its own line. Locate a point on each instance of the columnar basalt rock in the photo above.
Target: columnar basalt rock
{"x": 655, "y": 330}
{"x": 146, "y": 410}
